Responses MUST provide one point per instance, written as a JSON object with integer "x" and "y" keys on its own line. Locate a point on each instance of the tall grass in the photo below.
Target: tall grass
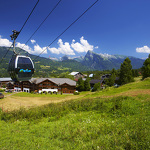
{"x": 117, "y": 123}
{"x": 118, "y": 105}
{"x": 91, "y": 123}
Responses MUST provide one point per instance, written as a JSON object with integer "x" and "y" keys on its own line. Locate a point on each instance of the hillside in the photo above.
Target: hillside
{"x": 108, "y": 62}
{"x": 106, "y": 119}
{"x": 43, "y": 66}
{"x": 101, "y": 62}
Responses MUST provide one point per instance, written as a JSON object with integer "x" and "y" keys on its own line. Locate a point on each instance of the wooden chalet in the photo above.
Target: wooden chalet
{"x": 77, "y": 75}
{"x": 4, "y": 82}
{"x": 64, "y": 85}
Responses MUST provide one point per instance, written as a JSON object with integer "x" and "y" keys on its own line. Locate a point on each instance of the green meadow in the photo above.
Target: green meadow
{"x": 107, "y": 119}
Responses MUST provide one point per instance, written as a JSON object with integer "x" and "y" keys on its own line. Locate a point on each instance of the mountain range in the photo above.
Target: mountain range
{"x": 91, "y": 61}
{"x": 105, "y": 61}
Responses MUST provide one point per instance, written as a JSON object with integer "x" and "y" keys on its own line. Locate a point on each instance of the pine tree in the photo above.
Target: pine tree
{"x": 80, "y": 85}
{"x": 111, "y": 80}
{"x": 87, "y": 85}
{"x": 125, "y": 75}
{"x": 146, "y": 68}
{"x": 97, "y": 87}
{"x": 113, "y": 71}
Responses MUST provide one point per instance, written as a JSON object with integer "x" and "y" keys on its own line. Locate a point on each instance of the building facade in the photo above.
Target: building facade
{"x": 4, "y": 82}
{"x": 64, "y": 85}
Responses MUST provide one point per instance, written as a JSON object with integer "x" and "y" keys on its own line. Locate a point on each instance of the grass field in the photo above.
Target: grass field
{"x": 115, "y": 118}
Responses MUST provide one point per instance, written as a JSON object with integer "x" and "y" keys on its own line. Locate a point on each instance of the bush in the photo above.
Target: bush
{"x": 76, "y": 93}
{"x": 96, "y": 87}
{"x": 2, "y": 90}
{"x": 32, "y": 92}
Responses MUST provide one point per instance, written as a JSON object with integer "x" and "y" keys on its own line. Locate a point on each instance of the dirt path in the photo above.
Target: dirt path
{"x": 136, "y": 92}
{"x": 11, "y": 102}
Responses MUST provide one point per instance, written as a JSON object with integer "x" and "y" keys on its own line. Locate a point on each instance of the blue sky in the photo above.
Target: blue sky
{"x": 110, "y": 26}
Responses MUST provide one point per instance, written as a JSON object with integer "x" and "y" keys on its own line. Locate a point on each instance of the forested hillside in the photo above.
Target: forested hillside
{"x": 108, "y": 62}
{"x": 44, "y": 67}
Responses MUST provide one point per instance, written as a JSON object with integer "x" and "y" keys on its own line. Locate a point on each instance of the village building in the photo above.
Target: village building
{"x": 49, "y": 85}
{"x": 94, "y": 81}
{"x": 77, "y": 75}
{"x": 4, "y": 82}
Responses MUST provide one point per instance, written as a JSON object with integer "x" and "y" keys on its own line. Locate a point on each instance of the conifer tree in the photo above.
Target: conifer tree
{"x": 125, "y": 75}
{"x": 96, "y": 87}
{"x": 146, "y": 68}
{"x": 111, "y": 80}
{"x": 87, "y": 85}
{"x": 80, "y": 85}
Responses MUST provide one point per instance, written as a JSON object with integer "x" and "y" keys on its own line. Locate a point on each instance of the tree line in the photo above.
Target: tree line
{"x": 122, "y": 76}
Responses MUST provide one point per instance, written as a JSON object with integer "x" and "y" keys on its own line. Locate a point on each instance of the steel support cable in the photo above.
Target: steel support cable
{"x": 5, "y": 54}
{"x": 66, "y": 29}
{"x": 41, "y": 24}
{"x": 20, "y": 31}
{"x": 29, "y": 16}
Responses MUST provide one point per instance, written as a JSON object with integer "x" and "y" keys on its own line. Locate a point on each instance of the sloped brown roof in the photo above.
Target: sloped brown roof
{"x": 58, "y": 81}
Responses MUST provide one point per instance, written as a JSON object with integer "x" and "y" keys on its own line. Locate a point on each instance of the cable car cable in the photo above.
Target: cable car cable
{"x": 66, "y": 29}
{"x": 20, "y": 31}
{"x": 29, "y": 16}
{"x": 5, "y": 54}
{"x": 41, "y": 24}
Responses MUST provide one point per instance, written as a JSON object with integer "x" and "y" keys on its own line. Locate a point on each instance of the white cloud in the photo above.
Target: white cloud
{"x": 33, "y": 41}
{"x": 64, "y": 48}
{"x": 37, "y": 48}
{"x": 83, "y": 46}
{"x": 5, "y": 42}
{"x": 24, "y": 47}
{"x": 54, "y": 50}
{"x": 144, "y": 49}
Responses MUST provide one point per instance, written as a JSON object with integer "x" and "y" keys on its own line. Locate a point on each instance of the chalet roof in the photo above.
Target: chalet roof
{"x": 91, "y": 75}
{"x": 74, "y": 73}
{"x": 105, "y": 76}
{"x": 5, "y": 79}
{"x": 58, "y": 81}
{"x": 95, "y": 81}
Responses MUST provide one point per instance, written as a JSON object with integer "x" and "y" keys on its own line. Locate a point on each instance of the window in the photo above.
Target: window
{"x": 24, "y": 63}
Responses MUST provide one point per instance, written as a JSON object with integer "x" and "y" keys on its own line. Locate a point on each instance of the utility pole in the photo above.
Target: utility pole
{"x": 13, "y": 37}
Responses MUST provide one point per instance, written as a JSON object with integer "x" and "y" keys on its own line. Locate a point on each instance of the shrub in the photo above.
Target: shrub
{"x": 96, "y": 87}
{"x": 2, "y": 90}
{"x": 76, "y": 93}
{"x": 32, "y": 92}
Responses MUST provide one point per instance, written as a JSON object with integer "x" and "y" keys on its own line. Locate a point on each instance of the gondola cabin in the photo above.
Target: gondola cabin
{"x": 21, "y": 68}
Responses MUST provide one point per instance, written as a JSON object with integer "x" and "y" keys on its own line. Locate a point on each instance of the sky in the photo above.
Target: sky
{"x": 110, "y": 27}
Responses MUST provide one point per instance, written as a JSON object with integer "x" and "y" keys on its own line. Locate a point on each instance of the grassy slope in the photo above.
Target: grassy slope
{"x": 92, "y": 123}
